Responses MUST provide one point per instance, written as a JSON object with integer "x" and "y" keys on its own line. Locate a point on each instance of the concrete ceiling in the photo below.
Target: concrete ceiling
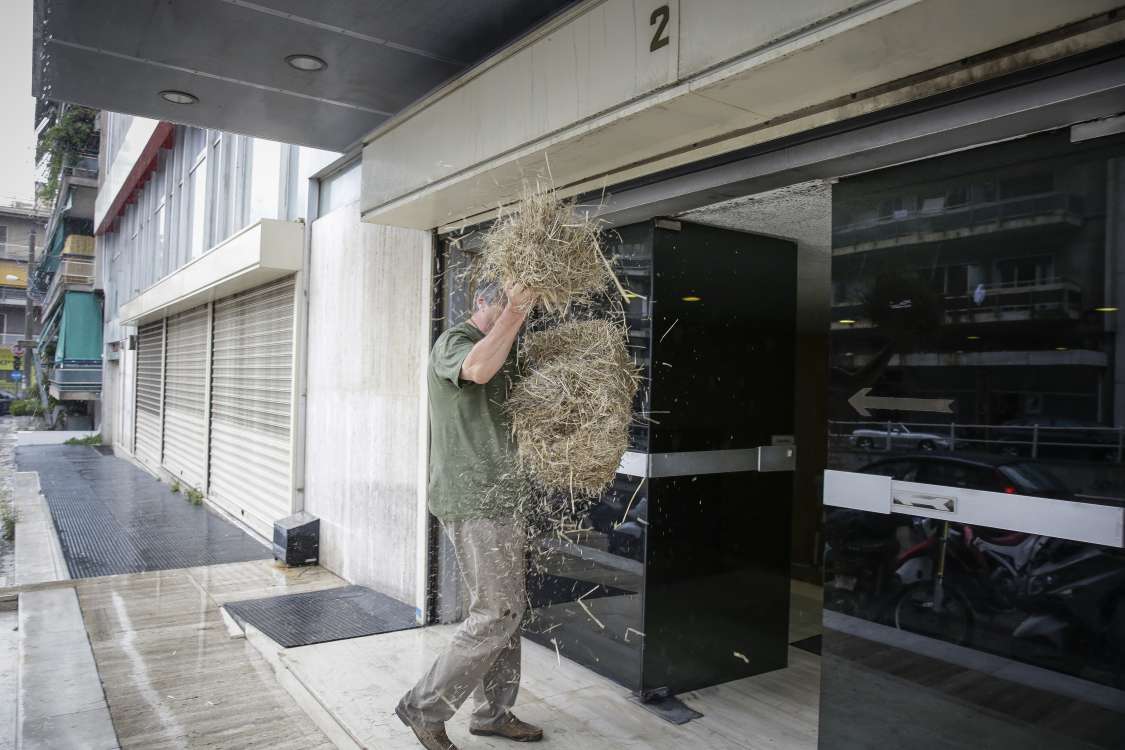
{"x": 381, "y": 55}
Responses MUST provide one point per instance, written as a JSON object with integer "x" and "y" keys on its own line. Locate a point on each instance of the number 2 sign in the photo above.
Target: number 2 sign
{"x": 659, "y": 23}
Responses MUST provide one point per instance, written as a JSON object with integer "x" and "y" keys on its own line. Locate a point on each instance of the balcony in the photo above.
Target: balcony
{"x": 8, "y": 340}
{"x": 73, "y": 272}
{"x": 969, "y": 220}
{"x": 1052, "y": 298}
{"x": 10, "y": 296}
{"x": 75, "y": 381}
{"x": 84, "y": 165}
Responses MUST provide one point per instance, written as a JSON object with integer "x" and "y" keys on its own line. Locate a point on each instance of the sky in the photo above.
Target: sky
{"x": 17, "y": 115}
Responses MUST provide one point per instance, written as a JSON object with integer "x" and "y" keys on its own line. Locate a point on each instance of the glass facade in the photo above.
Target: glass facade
{"x": 977, "y": 352}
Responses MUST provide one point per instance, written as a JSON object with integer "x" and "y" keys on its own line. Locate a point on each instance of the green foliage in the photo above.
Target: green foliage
{"x": 64, "y": 141}
{"x": 8, "y": 518}
{"x": 27, "y": 407}
{"x": 194, "y": 496}
{"x": 175, "y": 486}
{"x": 88, "y": 440}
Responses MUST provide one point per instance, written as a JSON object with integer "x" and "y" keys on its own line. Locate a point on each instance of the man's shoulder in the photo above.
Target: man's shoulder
{"x": 464, "y": 330}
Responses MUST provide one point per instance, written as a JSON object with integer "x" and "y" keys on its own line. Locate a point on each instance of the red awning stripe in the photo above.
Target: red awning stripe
{"x": 162, "y": 137}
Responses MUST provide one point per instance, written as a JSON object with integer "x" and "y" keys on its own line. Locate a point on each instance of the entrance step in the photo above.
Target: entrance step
{"x": 60, "y": 699}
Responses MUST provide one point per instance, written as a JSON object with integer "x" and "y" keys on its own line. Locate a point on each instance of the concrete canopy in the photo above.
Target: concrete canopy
{"x": 381, "y": 55}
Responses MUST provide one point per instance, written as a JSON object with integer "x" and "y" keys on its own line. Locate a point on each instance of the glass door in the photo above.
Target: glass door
{"x": 975, "y": 497}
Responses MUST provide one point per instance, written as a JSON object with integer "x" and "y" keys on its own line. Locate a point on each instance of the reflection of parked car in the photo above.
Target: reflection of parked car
{"x": 6, "y": 403}
{"x": 1060, "y": 438}
{"x": 977, "y": 471}
{"x": 900, "y": 437}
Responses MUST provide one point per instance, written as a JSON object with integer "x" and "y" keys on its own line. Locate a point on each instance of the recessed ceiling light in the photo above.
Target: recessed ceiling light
{"x": 306, "y": 62}
{"x": 847, "y": 322}
{"x": 973, "y": 338}
{"x": 1061, "y": 349}
{"x": 691, "y": 298}
{"x": 1105, "y": 309}
{"x": 178, "y": 97}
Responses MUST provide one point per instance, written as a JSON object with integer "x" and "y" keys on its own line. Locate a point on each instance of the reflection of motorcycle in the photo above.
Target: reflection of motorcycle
{"x": 1067, "y": 598}
{"x": 1075, "y": 597}
{"x": 859, "y": 560}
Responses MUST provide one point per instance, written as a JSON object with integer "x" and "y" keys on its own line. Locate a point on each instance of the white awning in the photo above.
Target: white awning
{"x": 258, "y": 254}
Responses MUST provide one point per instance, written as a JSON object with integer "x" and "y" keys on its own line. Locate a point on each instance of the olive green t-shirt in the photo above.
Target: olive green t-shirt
{"x": 472, "y": 453}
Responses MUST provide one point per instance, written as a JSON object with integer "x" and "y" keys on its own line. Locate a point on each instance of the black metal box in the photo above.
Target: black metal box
{"x": 296, "y": 539}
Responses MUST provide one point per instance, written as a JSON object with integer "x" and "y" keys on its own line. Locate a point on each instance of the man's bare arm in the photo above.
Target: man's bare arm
{"x": 487, "y": 355}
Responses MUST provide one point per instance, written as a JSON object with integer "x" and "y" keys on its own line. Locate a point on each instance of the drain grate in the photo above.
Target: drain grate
{"x": 321, "y": 616}
{"x": 114, "y": 518}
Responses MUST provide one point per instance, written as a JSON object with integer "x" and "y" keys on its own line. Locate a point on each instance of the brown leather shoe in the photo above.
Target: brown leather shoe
{"x": 432, "y": 738}
{"x": 510, "y": 728}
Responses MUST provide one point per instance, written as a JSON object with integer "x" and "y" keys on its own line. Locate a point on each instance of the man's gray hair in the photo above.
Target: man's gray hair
{"x": 491, "y": 291}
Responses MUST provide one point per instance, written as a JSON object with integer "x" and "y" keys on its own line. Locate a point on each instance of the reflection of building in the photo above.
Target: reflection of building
{"x": 68, "y": 354}
{"x": 1003, "y": 253}
{"x": 16, "y": 224}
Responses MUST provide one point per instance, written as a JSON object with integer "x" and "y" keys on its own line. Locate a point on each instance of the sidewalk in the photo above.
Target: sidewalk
{"x": 139, "y": 660}
{"x": 173, "y": 675}
{"x": 359, "y": 681}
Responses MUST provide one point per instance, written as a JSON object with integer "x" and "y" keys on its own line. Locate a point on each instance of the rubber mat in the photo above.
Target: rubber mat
{"x": 810, "y": 644}
{"x": 114, "y": 518}
{"x": 322, "y": 616}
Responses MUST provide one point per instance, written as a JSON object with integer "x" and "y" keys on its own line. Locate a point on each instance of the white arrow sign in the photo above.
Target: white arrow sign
{"x": 861, "y": 402}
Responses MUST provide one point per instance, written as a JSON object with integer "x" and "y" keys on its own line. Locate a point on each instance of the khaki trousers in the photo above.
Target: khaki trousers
{"x": 484, "y": 656}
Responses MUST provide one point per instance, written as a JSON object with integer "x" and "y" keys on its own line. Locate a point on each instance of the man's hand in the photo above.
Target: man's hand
{"x": 520, "y": 298}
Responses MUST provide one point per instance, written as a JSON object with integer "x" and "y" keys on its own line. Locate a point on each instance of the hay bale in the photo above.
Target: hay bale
{"x": 571, "y": 410}
{"x": 553, "y": 251}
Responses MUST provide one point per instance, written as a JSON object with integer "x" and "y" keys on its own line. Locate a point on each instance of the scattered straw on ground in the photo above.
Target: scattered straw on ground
{"x": 550, "y": 249}
{"x": 571, "y": 410}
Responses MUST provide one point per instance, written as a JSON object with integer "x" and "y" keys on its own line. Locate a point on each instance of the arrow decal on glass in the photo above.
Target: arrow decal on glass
{"x": 862, "y": 403}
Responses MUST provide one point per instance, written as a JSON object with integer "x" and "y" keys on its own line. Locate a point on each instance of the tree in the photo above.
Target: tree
{"x": 64, "y": 141}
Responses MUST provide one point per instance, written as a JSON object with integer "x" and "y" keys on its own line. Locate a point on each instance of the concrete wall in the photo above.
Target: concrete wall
{"x": 369, "y": 310}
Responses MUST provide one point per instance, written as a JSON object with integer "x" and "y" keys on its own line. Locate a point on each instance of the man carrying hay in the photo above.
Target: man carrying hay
{"x": 475, "y": 492}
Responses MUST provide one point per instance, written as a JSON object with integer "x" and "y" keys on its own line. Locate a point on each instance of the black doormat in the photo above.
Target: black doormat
{"x": 322, "y": 616}
{"x": 668, "y": 707}
{"x": 811, "y": 644}
{"x": 544, "y": 589}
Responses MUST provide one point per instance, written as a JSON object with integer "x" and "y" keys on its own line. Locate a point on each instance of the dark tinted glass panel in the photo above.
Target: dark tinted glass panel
{"x": 977, "y": 344}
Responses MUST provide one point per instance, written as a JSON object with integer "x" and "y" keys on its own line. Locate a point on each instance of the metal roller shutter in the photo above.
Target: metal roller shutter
{"x": 251, "y": 404}
{"x": 185, "y": 396}
{"x": 148, "y": 393}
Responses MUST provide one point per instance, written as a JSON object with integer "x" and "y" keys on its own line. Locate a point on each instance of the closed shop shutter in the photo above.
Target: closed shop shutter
{"x": 150, "y": 369}
{"x": 251, "y": 404}
{"x": 185, "y": 391}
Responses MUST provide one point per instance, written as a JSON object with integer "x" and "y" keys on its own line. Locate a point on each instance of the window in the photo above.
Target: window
{"x": 896, "y": 208}
{"x": 950, "y": 280}
{"x": 197, "y": 190}
{"x": 1028, "y": 184}
{"x": 4, "y": 240}
{"x": 958, "y": 196}
{"x": 1025, "y": 271}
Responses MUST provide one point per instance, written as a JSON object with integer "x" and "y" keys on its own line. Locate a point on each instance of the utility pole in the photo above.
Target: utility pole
{"x": 29, "y": 311}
